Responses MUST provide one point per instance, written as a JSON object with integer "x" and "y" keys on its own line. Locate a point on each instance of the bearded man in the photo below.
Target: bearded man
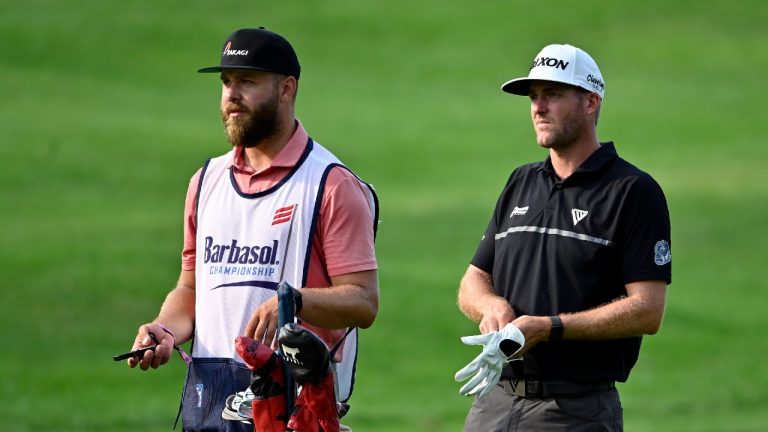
{"x": 278, "y": 207}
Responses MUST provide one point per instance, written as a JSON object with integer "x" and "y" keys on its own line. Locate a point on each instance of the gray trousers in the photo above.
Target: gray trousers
{"x": 499, "y": 411}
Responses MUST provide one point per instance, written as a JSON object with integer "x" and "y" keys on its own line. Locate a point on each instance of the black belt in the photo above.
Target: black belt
{"x": 543, "y": 389}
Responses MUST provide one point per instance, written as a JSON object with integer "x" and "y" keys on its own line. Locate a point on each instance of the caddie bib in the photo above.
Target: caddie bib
{"x": 246, "y": 245}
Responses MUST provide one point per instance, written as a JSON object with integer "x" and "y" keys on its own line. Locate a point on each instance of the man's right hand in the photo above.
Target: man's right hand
{"x": 480, "y": 302}
{"x": 497, "y": 313}
{"x": 160, "y": 355}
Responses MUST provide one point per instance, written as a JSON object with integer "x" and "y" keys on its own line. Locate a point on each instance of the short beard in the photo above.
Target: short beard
{"x": 254, "y": 126}
{"x": 565, "y": 136}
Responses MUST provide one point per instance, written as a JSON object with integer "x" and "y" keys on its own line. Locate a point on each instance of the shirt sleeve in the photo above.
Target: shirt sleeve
{"x": 484, "y": 255}
{"x": 190, "y": 224}
{"x": 645, "y": 243}
{"x": 346, "y": 225}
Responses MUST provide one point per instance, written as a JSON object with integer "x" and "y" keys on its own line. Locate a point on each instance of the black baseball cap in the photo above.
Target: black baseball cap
{"x": 258, "y": 49}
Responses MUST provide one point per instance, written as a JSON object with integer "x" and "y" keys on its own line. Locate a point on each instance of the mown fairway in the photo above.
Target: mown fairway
{"x": 103, "y": 119}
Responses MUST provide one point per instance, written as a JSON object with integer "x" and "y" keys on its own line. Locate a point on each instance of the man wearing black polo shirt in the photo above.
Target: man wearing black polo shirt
{"x": 576, "y": 256}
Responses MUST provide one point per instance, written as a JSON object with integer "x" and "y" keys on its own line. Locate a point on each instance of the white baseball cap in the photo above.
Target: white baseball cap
{"x": 564, "y": 64}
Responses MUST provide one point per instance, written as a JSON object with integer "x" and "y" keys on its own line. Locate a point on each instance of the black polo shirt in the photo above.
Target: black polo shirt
{"x": 557, "y": 246}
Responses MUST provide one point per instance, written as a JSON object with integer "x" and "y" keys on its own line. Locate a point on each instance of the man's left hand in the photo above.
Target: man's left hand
{"x": 534, "y": 328}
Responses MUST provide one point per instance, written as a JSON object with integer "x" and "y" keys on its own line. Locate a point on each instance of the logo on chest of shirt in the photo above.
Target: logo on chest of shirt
{"x": 578, "y": 215}
{"x": 233, "y": 253}
{"x": 283, "y": 214}
{"x": 519, "y": 211}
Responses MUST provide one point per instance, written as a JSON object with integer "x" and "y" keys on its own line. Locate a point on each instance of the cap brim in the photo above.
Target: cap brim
{"x": 517, "y": 86}
{"x": 229, "y": 67}
{"x": 522, "y": 86}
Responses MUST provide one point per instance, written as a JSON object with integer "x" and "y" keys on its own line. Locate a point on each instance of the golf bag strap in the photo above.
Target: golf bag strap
{"x": 178, "y": 414}
{"x": 181, "y": 400}
{"x": 338, "y": 344}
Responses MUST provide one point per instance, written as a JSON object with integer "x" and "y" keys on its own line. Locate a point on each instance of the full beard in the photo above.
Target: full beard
{"x": 251, "y": 127}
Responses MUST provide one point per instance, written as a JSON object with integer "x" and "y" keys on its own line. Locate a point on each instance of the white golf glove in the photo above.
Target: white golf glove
{"x": 488, "y": 365}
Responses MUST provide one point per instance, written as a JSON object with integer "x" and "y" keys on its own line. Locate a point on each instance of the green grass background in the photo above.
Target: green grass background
{"x": 103, "y": 119}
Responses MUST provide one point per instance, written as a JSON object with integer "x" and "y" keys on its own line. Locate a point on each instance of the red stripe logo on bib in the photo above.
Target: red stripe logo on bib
{"x": 283, "y": 214}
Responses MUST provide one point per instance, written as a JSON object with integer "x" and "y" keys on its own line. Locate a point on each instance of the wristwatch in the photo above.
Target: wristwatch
{"x": 298, "y": 301}
{"x": 556, "y": 332}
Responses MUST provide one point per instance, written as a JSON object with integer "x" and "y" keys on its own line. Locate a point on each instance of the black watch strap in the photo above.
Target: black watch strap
{"x": 556, "y": 332}
{"x": 298, "y": 301}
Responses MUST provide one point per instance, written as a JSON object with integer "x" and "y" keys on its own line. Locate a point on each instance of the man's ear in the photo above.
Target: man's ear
{"x": 288, "y": 88}
{"x": 593, "y": 102}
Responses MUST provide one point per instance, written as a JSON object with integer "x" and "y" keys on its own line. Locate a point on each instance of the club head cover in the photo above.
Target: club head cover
{"x": 316, "y": 408}
{"x": 302, "y": 419}
{"x": 255, "y": 354}
{"x": 267, "y": 385}
{"x": 306, "y": 355}
{"x": 321, "y": 399}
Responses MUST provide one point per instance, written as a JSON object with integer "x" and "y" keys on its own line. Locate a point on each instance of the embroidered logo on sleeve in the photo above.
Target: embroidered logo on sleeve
{"x": 578, "y": 215}
{"x": 662, "y": 253}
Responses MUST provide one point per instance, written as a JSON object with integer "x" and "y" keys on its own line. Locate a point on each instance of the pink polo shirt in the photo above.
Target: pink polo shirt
{"x": 343, "y": 241}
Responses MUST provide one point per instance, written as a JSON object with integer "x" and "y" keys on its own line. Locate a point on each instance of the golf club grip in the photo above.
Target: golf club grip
{"x": 285, "y": 315}
{"x": 285, "y": 305}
